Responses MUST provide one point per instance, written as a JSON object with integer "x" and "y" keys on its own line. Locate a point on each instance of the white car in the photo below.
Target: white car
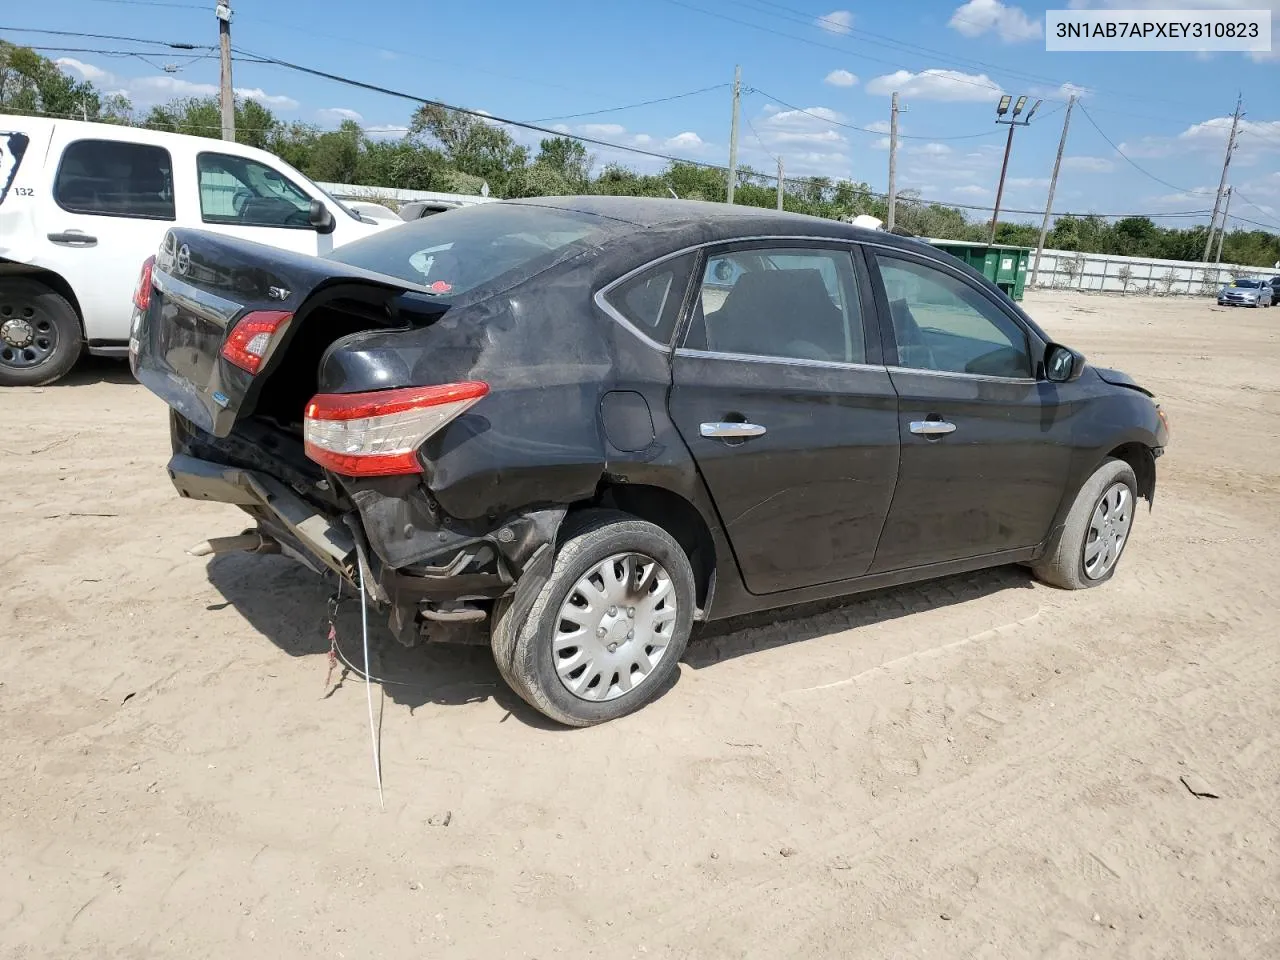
{"x": 83, "y": 205}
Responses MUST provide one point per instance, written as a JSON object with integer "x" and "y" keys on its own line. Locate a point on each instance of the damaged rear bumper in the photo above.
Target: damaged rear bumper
{"x": 450, "y": 575}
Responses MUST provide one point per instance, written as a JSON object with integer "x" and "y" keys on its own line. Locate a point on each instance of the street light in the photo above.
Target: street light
{"x": 1001, "y": 109}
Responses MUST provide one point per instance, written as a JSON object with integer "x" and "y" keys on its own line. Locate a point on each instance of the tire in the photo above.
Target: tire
{"x": 524, "y": 646}
{"x": 1067, "y": 561}
{"x": 40, "y": 337}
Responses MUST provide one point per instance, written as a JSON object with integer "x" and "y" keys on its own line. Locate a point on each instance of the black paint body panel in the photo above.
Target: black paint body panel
{"x": 836, "y": 497}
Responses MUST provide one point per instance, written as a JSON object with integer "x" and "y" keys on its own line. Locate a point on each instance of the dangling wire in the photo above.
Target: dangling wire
{"x": 368, "y": 683}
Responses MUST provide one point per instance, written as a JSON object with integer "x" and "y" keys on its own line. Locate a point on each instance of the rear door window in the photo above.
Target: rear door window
{"x": 111, "y": 178}
{"x": 789, "y": 303}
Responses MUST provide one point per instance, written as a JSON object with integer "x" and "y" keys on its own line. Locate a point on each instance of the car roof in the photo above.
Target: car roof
{"x": 711, "y": 221}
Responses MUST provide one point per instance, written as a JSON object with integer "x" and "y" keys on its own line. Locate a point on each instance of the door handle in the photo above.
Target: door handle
{"x": 932, "y": 428}
{"x": 73, "y": 238}
{"x": 731, "y": 431}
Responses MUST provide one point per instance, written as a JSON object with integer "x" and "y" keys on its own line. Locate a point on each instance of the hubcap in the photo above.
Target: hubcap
{"x": 26, "y": 338}
{"x": 614, "y": 627}
{"x": 1108, "y": 531}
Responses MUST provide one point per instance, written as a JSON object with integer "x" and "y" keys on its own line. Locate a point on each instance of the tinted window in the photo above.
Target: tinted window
{"x": 457, "y": 251}
{"x": 942, "y": 323}
{"x": 235, "y": 190}
{"x": 651, "y": 300}
{"x": 114, "y": 179}
{"x": 791, "y": 303}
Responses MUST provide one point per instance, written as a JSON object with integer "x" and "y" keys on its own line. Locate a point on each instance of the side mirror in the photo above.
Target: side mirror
{"x": 320, "y": 217}
{"x": 1062, "y": 364}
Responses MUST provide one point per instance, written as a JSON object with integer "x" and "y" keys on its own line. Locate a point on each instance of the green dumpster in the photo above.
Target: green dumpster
{"x": 1004, "y": 265}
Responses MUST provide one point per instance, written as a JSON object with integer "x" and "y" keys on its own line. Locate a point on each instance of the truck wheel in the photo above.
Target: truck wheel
{"x": 606, "y": 630}
{"x": 1087, "y": 550}
{"x": 40, "y": 337}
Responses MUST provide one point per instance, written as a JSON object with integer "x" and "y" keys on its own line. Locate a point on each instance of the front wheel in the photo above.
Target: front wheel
{"x": 605, "y": 632}
{"x": 40, "y": 337}
{"x": 1087, "y": 549}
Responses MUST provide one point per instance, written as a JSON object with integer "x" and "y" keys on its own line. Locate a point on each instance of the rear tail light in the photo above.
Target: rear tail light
{"x": 251, "y": 339}
{"x": 378, "y": 434}
{"x": 142, "y": 292}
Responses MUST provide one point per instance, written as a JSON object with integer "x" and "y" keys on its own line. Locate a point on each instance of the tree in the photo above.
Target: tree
{"x": 256, "y": 125}
{"x": 32, "y": 84}
{"x": 1125, "y": 276}
{"x": 470, "y": 144}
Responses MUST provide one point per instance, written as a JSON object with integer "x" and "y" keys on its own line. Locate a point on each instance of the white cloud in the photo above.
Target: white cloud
{"x": 777, "y": 117}
{"x": 840, "y": 78}
{"x": 1061, "y": 92}
{"x": 86, "y": 71}
{"x": 795, "y": 136}
{"x": 1088, "y": 164}
{"x": 837, "y": 21}
{"x": 602, "y": 129}
{"x": 388, "y": 55}
{"x": 642, "y": 139}
{"x": 155, "y": 89}
{"x": 1256, "y": 140}
{"x": 1028, "y": 181}
{"x": 937, "y": 84}
{"x": 882, "y": 126}
{"x": 881, "y": 144}
{"x": 971, "y": 190}
{"x": 929, "y": 149}
{"x": 338, "y": 114}
{"x": 977, "y": 17}
{"x": 684, "y": 141}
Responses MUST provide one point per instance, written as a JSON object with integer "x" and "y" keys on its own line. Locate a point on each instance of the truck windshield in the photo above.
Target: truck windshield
{"x": 460, "y": 250}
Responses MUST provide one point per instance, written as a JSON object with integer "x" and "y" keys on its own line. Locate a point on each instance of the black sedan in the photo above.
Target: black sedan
{"x": 586, "y": 423}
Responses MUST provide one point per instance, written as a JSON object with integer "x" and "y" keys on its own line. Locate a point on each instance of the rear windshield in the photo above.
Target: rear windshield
{"x": 460, "y": 250}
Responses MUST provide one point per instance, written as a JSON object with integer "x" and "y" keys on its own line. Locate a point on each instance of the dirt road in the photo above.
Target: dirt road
{"x": 980, "y": 767}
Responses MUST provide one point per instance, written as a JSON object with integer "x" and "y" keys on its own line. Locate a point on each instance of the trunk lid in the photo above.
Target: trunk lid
{"x": 204, "y": 284}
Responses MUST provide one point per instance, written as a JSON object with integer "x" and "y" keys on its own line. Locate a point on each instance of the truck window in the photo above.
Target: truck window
{"x": 242, "y": 192}
{"x": 111, "y": 178}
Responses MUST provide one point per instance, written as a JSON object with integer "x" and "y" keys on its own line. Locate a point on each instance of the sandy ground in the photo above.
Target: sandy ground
{"x": 978, "y": 767}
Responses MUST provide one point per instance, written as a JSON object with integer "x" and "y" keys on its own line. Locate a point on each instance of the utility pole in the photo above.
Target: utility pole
{"x": 733, "y": 135}
{"x": 893, "y": 162}
{"x": 1217, "y": 201}
{"x": 1001, "y": 109}
{"x": 1222, "y": 234}
{"x": 1004, "y": 168}
{"x": 1053, "y": 185}
{"x": 227, "y": 96}
{"x": 781, "y": 183}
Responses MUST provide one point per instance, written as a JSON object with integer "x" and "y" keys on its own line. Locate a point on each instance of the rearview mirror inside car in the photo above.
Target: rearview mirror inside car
{"x": 320, "y": 217}
{"x": 1062, "y": 364}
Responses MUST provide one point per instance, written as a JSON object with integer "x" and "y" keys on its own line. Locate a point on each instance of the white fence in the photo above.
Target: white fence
{"x": 1099, "y": 273}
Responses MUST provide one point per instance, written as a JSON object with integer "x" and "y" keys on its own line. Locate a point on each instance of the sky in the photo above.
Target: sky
{"x": 812, "y": 74}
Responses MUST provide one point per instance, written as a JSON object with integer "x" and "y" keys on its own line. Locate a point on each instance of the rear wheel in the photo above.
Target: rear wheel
{"x": 605, "y": 632}
{"x": 40, "y": 337}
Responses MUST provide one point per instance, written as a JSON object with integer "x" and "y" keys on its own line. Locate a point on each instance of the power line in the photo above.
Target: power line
{"x": 851, "y": 126}
{"x": 1236, "y": 191}
{"x": 1133, "y": 163}
{"x": 491, "y": 118}
{"x": 108, "y": 36}
{"x": 880, "y": 39}
{"x": 631, "y": 106}
{"x": 157, "y": 3}
{"x": 994, "y": 88}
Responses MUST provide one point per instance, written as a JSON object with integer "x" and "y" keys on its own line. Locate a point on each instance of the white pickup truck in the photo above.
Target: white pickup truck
{"x": 82, "y": 206}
